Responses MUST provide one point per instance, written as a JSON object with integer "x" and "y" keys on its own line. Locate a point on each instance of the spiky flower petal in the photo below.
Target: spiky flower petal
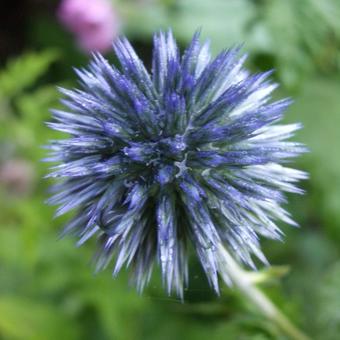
{"x": 189, "y": 154}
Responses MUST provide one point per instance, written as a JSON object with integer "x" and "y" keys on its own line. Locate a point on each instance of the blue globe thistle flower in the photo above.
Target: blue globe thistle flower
{"x": 191, "y": 155}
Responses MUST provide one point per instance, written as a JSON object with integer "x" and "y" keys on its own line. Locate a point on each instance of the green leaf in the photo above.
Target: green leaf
{"x": 23, "y": 71}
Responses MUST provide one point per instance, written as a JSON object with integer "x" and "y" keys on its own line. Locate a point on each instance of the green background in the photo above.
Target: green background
{"x": 47, "y": 286}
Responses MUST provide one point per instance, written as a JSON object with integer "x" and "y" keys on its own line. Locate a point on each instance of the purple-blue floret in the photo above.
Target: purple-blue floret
{"x": 189, "y": 155}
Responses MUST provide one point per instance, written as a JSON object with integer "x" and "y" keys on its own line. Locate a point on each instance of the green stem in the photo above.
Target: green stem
{"x": 231, "y": 271}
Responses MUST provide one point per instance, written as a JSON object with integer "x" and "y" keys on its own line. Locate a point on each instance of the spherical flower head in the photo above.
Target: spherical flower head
{"x": 189, "y": 155}
{"x": 94, "y": 23}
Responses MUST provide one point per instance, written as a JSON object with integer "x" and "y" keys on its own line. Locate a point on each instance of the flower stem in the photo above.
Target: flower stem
{"x": 232, "y": 273}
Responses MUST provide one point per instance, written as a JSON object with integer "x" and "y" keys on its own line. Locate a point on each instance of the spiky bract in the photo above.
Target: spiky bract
{"x": 190, "y": 154}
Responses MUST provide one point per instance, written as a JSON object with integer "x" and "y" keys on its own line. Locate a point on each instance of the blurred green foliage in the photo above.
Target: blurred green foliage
{"x": 295, "y": 37}
{"x": 47, "y": 289}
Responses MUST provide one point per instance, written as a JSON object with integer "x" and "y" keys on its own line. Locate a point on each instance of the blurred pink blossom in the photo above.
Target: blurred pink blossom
{"x": 93, "y": 22}
{"x": 17, "y": 176}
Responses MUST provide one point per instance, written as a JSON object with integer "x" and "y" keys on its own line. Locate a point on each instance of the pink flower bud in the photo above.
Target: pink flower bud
{"x": 93, "y": 22}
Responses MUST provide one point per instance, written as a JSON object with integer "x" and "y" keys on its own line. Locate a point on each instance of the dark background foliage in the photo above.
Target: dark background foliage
{"x": 47, "y": 288}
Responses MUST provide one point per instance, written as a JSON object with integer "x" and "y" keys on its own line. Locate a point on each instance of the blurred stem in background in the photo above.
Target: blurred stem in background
{"x": 243, "y": 281}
